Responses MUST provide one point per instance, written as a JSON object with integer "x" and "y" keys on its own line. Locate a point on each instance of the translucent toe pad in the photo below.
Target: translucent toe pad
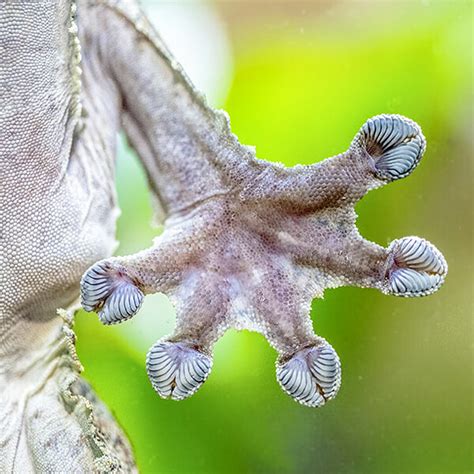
{"x": 111, "y": 293}
{"x": 395, "y": 143}
{"x": 418, "y": 268}
{"x": 175, "y": 370}
{"x": 312, "y": 376}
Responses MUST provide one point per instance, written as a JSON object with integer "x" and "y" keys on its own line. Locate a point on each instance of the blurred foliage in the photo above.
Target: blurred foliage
{"x": 406, "y": 400}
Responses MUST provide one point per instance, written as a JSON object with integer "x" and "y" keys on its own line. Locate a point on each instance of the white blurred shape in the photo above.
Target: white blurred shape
{"x": 197, "y": 38}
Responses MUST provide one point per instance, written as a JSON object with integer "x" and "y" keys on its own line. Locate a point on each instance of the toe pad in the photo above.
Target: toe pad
{"x": 312, "y": 376}
{"x": 418, "y": 268}
{"x": 110, "y": 291}
{"x": 395, "y": 143}
{"x": 175, "y": 370}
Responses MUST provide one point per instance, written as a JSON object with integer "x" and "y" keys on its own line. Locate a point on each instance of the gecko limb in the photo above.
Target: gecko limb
{"x": 252, "y": 261}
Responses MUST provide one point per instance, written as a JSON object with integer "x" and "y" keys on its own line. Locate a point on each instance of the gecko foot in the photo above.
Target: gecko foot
{"x": 254, "y": 254}
{"x": 176, "y": 370}
{"x": 417, "y": 267}
{"x": 312, "y": 376}
{"x": 109, "y": 290}
{"x": 394, "y": 143}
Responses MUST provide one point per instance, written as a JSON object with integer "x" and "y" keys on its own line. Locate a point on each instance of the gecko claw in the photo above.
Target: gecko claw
{"x": 111, "y": 292}
{"x": 312, "y": 376}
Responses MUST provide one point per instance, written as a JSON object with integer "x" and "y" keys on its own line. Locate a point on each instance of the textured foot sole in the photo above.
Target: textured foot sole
{"x": 177, "y": 371}
{"x": 312, "y": 376}
{"x": 418, "y": 268}
{"x": 395, "y": 144}
{"x": 111, "y": 292}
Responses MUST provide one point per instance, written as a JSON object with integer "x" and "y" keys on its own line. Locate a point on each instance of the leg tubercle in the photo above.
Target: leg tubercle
{"x": 394, "y": 143}
{"x": 108, "y": 289}
{"x": 312, "y": 376}
{"x": 416, "y": 268}
{"x": 177, "y": 370}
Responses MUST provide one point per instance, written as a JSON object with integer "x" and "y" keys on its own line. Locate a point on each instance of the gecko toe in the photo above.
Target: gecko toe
{"x": 312, "y": 376}
{"x": 110, "y": 291}
{"x": 418, "y": 268}
{"x": 394, "y": 143}
{"x": 176, "y": 370}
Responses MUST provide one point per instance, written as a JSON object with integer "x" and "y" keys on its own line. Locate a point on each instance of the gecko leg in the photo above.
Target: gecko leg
{"x": 271, "y": 238}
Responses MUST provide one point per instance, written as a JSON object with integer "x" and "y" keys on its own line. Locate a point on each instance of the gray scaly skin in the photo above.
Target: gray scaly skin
{"x": 247, "y": 243}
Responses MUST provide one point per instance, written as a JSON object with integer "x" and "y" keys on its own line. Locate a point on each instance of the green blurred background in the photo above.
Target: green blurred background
{"x": 302, "y": 79}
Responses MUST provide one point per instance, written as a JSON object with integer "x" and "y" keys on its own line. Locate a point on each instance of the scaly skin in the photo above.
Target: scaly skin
{"x": 57, "y": 216}
{"x": 247, "y": 243}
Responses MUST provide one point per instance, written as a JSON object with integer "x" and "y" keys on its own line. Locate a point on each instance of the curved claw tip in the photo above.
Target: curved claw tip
{"x": 175, "y": 370}
{"x": 418, "y": 269}
{"x": 114, "y": 294}
{"x": 396, "y": 144}
{"x": 312, "y": 376}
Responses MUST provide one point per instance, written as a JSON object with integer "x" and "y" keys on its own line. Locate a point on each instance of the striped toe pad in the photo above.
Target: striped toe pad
{"x": 395, "y": 143}
{"x": 418, "y": 267}
{"x": 111, "y": 292}
{"x": 176, "y": 370}
{"x": 312, "y": 376}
